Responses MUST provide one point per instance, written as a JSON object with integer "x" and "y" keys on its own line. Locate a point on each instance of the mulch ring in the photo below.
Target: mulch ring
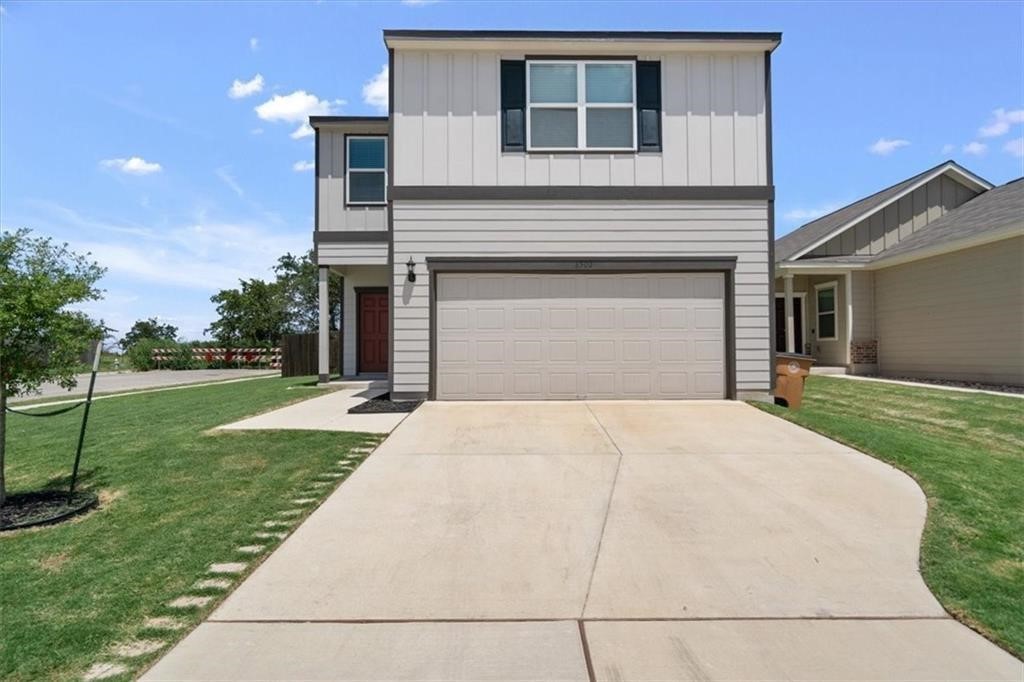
{"x": 383, "y": 404}
{"x": 43, "y": 507}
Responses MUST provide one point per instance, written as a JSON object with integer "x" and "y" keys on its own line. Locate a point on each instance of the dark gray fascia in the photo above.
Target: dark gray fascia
{"x": 692, "y": 36}
{"x": 349, "y": 236}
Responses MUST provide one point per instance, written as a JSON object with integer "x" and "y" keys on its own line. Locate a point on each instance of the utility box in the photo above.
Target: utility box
{"x": 791, "y": 370}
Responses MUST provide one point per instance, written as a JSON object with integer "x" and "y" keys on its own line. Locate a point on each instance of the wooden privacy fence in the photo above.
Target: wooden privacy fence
{"x": 299, "y": 354}
{"x": 243, "y": 357}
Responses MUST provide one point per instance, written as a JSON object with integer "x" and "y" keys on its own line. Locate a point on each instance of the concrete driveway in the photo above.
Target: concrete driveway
{"x": 602, "y": 541}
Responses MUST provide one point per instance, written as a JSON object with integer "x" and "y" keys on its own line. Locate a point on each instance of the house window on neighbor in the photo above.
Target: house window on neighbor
{"x": 826, "y": 297}
{"x": 580, "y": 105}
{"x": 366, "y": 175}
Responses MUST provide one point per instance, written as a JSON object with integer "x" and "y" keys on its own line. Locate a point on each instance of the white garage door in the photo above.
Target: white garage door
{"x": 540, "y": 336}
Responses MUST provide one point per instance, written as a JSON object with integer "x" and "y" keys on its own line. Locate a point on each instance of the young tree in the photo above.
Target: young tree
{"x": 254, "y": 313}
{"x": 148, "y": 329}
{"x": 298, "y": 278}
{"x": 40, "y": 338}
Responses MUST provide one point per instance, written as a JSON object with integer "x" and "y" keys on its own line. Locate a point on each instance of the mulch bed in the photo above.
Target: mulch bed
{"x": 383, "y": 404}
{"x": 43, "y": 507}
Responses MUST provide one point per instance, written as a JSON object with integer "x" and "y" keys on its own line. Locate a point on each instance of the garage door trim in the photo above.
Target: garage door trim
{"x": 585, "y": 265}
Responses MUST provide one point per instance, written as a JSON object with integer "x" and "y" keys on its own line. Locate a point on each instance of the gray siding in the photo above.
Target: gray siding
{"x": 862, "y": 288}
{"x": 956, "y": 316}
{"x": 447, "y": 122}
{"x": 898, "y": 220}
{"x": 352, "y": 253}
{"x": 581, "y": 229}
{"x": 332, "y": 213}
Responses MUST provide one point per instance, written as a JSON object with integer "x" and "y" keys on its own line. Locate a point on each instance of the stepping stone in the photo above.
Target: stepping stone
{"x": 270, "y": 536}
{"x": 214, "y": 584}
{"x": 250, "y": 549}
{"x": 189, "y": 602}
{"x": 331, "y": 474}
{"x": 163, "y": 623}
{"x": 229, "y": 567}
{"x": 101, "y": 671}
{"x": 289, "y": 512}
{"x": 137, "y": 647}
{"x": 303, "y": 500}
{"x": 276, "y": 524}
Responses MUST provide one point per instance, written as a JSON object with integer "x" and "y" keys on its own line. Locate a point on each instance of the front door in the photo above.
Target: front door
{"x": 372, "y": 333}
{"x": 780, "y": 324}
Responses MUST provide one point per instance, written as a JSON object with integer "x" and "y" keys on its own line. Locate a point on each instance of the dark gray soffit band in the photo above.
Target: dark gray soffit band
{"x": 575, "y": 192}
{"x": 773, "y": 36}
{"x": 581, "y": 265}
{"x": 350, "y": 236}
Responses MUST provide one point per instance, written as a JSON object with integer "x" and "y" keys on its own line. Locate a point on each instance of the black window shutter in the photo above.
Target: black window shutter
{"x": 513, "y": 106}
{"x": 648, "y": 102}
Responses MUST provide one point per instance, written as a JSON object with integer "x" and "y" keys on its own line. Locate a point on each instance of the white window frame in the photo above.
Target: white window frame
{"x": 580, "y": 105}
{"x": 349, "y": 171}
{"x": 834, "y": 286}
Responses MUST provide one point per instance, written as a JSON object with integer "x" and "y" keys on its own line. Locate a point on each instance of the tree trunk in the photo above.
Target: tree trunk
{"x": 3, "y": 441}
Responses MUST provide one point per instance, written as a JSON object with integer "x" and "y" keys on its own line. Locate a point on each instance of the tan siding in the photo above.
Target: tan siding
{"x": 584, "y": 230}
{"x": 897, "y": 221}
{"x": 447, "y": 129}
{"x": 333, "y": 214}
{"x": 863, "y": 290}
{"x": 956, "y": 316}
{"x": 827, "y": 352}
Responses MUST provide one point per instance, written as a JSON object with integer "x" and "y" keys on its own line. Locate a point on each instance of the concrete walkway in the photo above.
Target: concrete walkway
{"x": 328, "y": 412}
{"x": 117, "y": 382}
{"x": 600, "y": 541}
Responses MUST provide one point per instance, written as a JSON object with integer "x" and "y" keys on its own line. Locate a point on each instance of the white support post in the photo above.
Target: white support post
{"x": 849, "y": 316}
{"x": 324, "y": 336}
{"x": 787, "y": 281}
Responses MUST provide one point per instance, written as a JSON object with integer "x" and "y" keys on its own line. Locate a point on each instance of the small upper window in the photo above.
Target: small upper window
{"x": 366, "y": 176}
{"x": 581, "y": 105}
{"x": 826, "y": 299}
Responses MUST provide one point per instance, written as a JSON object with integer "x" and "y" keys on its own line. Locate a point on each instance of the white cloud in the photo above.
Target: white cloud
{"x": 254, "y": 44}
{"x": 240, "y": 89}
{"x": 132, "y": 166}
{"x": 884, "y": 146}
{"x": 224, "y": 173}
{"x": 256, "y": 131}
{"x": 1015, "y": 147}
{"x": 805, "y": 214}
{"x": 297, "y": 107}
{"x": 948, "y": 148}
{"x": 974, "y": 148}
{"x": 304, "y": 130}
{"x": 302, "y": 166}
{"x": 1001, "y": 122}
{"x": 375, "y": 90}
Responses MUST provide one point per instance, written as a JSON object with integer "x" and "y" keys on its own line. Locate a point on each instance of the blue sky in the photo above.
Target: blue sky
{"x": 119, "y": 134}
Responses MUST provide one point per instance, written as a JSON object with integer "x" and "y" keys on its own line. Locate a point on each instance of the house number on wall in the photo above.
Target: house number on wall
{"x": 584, "y": 265}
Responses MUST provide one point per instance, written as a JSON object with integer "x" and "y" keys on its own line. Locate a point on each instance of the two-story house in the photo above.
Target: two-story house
{"x": 556, "y": 215}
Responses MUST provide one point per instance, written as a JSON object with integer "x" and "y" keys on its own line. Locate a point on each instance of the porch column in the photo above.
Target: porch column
{"x": 848, "y": 295}
{"x": 787, "y": 281}
{"x": 324, "y": 335}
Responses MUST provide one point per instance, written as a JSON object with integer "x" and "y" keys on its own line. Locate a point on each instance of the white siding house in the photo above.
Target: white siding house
{"x": 569, "y": 215}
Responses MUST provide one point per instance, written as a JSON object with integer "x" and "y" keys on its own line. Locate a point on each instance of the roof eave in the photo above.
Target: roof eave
{"x": 615, "y": 40}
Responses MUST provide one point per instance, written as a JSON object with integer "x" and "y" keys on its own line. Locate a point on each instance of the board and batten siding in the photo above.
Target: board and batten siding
{"x": 352, "y": 253}
{"x": 580, "y": 229}
{"x": 447, "y": 122}
{"x": 332, "y": 213}
{"x": 957, "y": 316}
{"x": 898, "y": 220}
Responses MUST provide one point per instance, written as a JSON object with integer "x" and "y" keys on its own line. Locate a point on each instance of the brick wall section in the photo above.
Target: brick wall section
{"x": 864, "y": 352}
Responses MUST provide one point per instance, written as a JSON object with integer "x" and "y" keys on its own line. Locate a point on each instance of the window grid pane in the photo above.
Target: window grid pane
{"x": 366, "y": 187}
{"x": 609, "y": 128}
{"x": 553, "y": 83}
{"x": 553, "y": 128}
{"x": 609, "y": 83}
{"x": 826, "y": 300}
{"x": 826, "y": 325}
{"x": 367, "y": 153}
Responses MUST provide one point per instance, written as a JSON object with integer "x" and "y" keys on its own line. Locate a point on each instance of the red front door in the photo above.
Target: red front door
{"x": 373, "y": 331}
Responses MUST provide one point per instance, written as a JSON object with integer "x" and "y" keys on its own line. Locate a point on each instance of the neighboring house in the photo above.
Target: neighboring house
{"x": 923, "y": 279}
{"x": 556, "y": 215}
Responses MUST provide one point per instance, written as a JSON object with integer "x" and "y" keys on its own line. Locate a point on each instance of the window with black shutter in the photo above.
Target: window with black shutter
{"x": 648, "y": 100}
{"x": 513, "y": 106}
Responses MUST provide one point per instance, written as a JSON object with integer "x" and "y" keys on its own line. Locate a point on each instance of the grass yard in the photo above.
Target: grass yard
{"x": 966, "y": 450}
{"x": 174, "y": 499}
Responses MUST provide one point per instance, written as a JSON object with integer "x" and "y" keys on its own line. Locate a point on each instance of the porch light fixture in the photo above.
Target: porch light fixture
{"x": 410, "y": 270}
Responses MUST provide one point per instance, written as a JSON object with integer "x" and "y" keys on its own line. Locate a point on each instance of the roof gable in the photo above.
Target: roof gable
{"x": 811, "y": 235}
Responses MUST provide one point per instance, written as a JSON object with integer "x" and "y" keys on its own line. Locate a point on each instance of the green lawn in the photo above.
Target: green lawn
{"x": 966, "y": 450}
{"x": 175, "y": 498}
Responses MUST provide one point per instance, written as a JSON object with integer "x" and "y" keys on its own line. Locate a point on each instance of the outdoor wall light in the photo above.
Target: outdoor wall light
{"x": 410, "y": 270}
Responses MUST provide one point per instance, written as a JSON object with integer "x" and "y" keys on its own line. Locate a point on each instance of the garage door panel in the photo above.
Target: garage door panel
{"x": 580, "y": 336}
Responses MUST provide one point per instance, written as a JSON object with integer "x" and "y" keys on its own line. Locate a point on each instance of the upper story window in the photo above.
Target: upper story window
{"x": 366, "y": 175}
{"x": 581, "y": 105}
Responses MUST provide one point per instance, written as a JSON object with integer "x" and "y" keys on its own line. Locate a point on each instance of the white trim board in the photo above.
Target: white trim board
{"x": 966, "y": 178}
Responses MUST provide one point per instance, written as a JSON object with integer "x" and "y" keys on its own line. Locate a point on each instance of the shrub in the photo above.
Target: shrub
{"x": 140, "y": 354}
